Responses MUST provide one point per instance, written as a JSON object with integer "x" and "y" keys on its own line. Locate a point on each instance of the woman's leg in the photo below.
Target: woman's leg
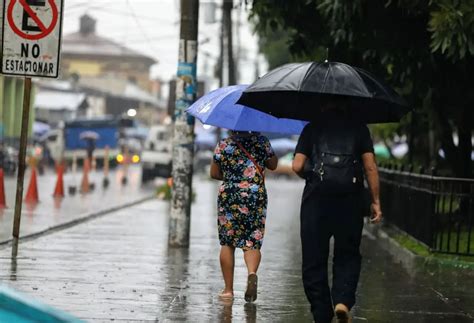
{"x": 227, "y": 266}
{"x": 252, "y": 260}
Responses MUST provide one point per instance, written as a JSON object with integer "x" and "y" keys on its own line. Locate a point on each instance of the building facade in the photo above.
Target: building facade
{"x": 87, "y": 55}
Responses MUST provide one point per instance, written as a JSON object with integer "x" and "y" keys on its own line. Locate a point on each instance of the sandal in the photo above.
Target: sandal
{"x": 251, "y": 292}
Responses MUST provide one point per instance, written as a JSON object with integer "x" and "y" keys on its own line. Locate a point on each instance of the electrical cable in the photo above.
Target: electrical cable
{"x": 140, "y": 27}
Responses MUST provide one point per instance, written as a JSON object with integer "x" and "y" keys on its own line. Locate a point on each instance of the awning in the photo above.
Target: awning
{"x": 56, "y": 100}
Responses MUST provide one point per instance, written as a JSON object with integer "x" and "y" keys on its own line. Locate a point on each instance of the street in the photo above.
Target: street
{"x": 119, "y": 268}
{"x": 349, "y": 95}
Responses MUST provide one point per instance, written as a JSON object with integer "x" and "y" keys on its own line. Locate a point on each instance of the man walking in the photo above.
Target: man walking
{"x": 332, "y": 156}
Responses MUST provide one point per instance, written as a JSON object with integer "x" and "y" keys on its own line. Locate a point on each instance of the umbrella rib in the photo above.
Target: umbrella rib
{"x": 284, "y": 76}
{"x": 305, "y": 74}
{"x": 357, "y": 70}
{"x": 326, "y": 77}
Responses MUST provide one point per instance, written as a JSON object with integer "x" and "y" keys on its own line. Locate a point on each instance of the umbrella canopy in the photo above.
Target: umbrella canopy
{"x": 91, "y": 135}
{"x": 400, "y": 150}
{"x": 40, "y": 128}
{"x": 381, "y": 150}
{"x": 298, "y": 91}
{"x": 218, "y": 108}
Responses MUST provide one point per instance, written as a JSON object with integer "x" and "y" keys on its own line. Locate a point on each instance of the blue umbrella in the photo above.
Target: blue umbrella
{"x": 218, "y": 108}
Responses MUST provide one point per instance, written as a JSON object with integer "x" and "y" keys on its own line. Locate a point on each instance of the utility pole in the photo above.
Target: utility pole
{"x": 221, "y": 60}
{"x": 226, "y": 51}
{"x": 183, "y": 135}
{"x": 227, "y": 7}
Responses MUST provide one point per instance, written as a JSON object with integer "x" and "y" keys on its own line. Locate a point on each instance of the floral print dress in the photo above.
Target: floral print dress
{"x": 242, "y": 199}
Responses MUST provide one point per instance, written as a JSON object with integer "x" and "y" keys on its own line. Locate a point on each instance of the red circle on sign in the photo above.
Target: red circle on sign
{"x": 45, "y": 31}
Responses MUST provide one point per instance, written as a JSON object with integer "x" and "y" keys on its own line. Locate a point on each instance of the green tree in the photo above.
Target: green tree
{"x": 423, "y": 48}
{"x": 274, "y": 46}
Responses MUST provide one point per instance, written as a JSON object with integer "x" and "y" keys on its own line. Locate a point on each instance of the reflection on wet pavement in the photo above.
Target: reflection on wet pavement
{"x": 49, "y": 211}
{"x": 119, "y": 267}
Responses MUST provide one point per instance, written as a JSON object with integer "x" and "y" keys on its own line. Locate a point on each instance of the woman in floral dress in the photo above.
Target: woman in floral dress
{"x": 240, "y": 161}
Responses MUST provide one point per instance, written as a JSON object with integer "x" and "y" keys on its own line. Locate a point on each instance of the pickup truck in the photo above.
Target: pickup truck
{"x": 156, "y": 156}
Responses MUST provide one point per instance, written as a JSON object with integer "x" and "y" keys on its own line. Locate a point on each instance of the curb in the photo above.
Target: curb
{"x": 409, "y": 260}
{"x": 87, "y": 217}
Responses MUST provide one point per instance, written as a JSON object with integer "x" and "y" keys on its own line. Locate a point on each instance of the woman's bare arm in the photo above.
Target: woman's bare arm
{"x": 272, "y": 163}
{"x": 216, "y": 172}
{"x": 298, "y": 164}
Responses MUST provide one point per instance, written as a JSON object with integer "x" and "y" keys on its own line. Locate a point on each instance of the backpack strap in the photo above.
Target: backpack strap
{"x": 259, "y": 169}
{"x": 316, "y": 154}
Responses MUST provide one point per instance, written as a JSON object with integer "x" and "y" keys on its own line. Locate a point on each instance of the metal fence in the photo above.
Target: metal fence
{"x": 437, "y": 211}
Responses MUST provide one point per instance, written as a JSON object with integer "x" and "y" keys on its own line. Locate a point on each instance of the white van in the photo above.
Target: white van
{"x": 157, "y": 153}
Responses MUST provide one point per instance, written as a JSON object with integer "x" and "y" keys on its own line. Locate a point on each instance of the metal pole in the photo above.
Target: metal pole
{"x": 183, "y": 136}
{"x": 21, "y": 164}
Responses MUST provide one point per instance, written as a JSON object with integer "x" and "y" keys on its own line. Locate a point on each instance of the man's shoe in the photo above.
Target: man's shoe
{"x": 342, "y": 313}
{"x": 251, "y": 292}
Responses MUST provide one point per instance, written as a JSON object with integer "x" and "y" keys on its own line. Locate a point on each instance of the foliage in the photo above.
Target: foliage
{"x": 423, "y": 48}
{"x": 452, "y": 27}
{"x": 163, "y": 192}
{"x": 274, "y": 45}
{"x": 418, "y": 248}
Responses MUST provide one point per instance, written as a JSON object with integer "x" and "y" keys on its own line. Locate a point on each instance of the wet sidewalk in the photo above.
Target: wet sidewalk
{"x": 118, "y": 267}
{"x": 50, "y": 212}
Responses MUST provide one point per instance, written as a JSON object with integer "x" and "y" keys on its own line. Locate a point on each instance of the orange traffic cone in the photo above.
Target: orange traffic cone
{"x": 3, "y": 203}
{"x": 85, "y": 177}
{"x": 59, "y": 189}
{"x": 32, "y": 193}
{"x": 57, "y": 202}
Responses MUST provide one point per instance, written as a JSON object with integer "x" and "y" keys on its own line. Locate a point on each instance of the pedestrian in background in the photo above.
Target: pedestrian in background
{"x": 240, "y": 161}
{"x": 332, "y": 155}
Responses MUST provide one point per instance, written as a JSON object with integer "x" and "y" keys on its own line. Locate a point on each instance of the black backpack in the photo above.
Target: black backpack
{"x": 336, "y": 163}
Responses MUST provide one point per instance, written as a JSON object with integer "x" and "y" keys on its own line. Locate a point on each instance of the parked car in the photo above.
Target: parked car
{"x": 156, "y": 156}
{"x": 8, "y": 159}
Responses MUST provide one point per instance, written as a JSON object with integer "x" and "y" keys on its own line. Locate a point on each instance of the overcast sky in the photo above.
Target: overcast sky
{"x": 152, "y": 27}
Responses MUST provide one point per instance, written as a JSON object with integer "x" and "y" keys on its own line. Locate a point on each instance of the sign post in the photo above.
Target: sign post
{"x": 21, "y": 164}
{"x": 31, "y": 42}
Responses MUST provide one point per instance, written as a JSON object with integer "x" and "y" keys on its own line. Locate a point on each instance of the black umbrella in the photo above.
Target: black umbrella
{"x": 299, "y": 90}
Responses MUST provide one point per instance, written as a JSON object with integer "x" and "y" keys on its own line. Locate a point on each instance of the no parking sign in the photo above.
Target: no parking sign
{"x": 31, "y": 37}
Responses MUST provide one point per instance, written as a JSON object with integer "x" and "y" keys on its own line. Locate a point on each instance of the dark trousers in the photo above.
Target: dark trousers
{"x": 322, "y": 217}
